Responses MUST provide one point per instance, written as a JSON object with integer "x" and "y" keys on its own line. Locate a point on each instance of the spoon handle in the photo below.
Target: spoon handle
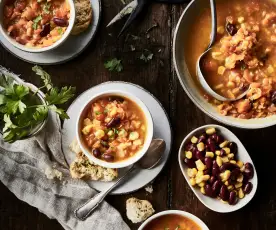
{"x": 214, "y": 22}
{"x": 86, "y": 209}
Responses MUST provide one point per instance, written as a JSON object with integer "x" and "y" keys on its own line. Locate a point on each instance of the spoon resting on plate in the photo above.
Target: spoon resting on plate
{"x": 148, "y": 161}
{"x": 201, "y": 78}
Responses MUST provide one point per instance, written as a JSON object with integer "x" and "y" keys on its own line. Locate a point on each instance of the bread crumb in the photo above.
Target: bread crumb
{"x": 53, "y": 173}
{"x": 138, "y": 210}
{"x": 149, "y": 189}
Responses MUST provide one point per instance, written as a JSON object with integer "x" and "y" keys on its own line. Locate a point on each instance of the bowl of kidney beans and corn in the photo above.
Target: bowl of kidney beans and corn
{"x": 213, "y": 167}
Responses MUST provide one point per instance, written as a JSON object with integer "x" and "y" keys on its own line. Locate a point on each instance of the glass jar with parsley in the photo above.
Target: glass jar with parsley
{"x": 24, "y": 109}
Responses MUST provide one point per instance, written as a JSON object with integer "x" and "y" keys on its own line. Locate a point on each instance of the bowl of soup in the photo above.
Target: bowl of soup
{"x": 36, "y": 26}
{"x": 173, "y": 220}
{"x": 114, "y": 129}
{"x": 242, "y": 57}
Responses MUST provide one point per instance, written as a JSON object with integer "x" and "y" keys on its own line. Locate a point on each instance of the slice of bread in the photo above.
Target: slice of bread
{"x": 82, "y": 168}
{"x": 138, "y": 210}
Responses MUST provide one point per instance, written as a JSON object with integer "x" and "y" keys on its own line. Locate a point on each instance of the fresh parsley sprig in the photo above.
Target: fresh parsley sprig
{"x": 114, "y": 65}
{"x": 21, "y": 110}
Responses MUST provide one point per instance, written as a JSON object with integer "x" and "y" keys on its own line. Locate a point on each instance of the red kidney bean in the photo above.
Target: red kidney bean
{"x": 212, "y": 147}
{"x": 217, "y": 138}
{"x": 224, "y": 193}
{"x": 96, "y": 152}
{"x": 227, "y": 166}
{"x": 222, "y": 152}
{"x": 233, "y": 147}
{"x": 45, "y": 30}
{"x": 208, "y": 162}
{"x": 210, "y": 141}
{"x": 60, "y": 22}
{"x": 190, "y": 147}
{"x": 202, "y": 138}
{"x": 113, "y": 122}
{"x": 248, "y": 166}
{"x": 235, "y": 173}
{"x": 208, "y": 190}
{"x": 249, "y": 173}
{"x": 231, "y": 29}
{"x": 273, "y": 97}
{"x": 199, "y": 155}
{"x": 190, "y": 163}
{"x": 213, "y": 180}
{"x": 216, "y": 187}
{"x": 108, "y": 157}
{"x": 232, "y": 198}
{"x": 215, "y": 169}
{"x": 248, "y": 188}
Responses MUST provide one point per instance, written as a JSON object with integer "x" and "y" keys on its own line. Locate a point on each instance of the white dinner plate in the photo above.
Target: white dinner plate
{"x": 162, "y": 129}
{"x": 71, "y": 48}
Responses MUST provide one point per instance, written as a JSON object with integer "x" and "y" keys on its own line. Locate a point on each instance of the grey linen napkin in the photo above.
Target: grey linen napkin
{"x": 22, "y": 170}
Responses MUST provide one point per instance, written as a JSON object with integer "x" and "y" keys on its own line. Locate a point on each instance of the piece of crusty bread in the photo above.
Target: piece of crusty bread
{"x": 138, "y": 210}
{"x": 82, "y": 168}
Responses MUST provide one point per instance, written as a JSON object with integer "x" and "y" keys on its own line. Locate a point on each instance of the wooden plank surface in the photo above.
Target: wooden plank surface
{"x": 158, "y": 76}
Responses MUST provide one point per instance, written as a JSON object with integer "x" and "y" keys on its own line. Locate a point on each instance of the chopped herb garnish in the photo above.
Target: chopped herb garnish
{"x": 60, "y": 31}
{"x": 132, "y": 47}
{"x": 46, "y": 8}
{"x": 146, "y": 57}
{"x": 135, "y": 37}
{"x": 36, "y": 21}
{"x": 106, "y": 111}
{"x": 114, "y": 65}
{"x": 98, "y": 112}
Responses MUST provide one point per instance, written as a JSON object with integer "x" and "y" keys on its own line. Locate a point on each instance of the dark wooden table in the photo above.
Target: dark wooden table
{"x": 158, "y": 76}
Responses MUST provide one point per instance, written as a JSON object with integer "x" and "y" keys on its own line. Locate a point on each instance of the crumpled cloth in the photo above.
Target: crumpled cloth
{"x": 22, "y": 170}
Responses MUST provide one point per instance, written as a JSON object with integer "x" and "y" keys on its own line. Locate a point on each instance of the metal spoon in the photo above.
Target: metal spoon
{"x": 148, "y": 161}
{"x": 201, "y": 78}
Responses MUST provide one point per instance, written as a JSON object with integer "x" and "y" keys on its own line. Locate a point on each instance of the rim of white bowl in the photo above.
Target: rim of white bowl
{"x": 139, "y": 154}
{"x": 232, "y": 208}
{"x": 212, "y": 115}
{"x": 188, "y": 215}
{"x": 43, "y": 49}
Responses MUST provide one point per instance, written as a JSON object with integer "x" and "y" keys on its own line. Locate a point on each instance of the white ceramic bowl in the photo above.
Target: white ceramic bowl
{"x": 4, "y": 33}
{"x": 183, "y": 28}
{"x": 139, "y": 154}
{"x": 243, "y": 155}
{"x": 199, "y": 222}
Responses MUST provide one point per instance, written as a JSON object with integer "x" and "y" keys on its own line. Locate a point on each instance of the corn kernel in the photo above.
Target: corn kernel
{"x": 192, "y": 172}
{"x": 210, "y": 131}
{"x": 192, "y": 181}
{"x": 201, "y": 184}
{"x": 219, "y": 161}
{"x": 240, "y": 178}
{"x": 99, "y": 134}
{"x": 224, "y": 144}
{"x": 188, "y": 154}
{"x": 200, "y": 166}
{"x": 231, "y": 155}
{"x": 231, "y": 84}
{"x": 194, "y": 140}
{"x": 221, "y": 70}
{"x": 219, "y": 86}
{"x": 227, "y": 150}
{"x": 242, "y": 168}
{"x": 87, "y": 129}
{"x": 230, "y": 187}
{"x": 217, "y": 55}
{"x": 217, "y": 152}
{"x": 241, "y": 193}
{"x": 224, "y": 159}
{"x": 240, "y": 19}
{"x": 202, "y": 190}
{"x": 199, "y": 173}
{"x": 200, "y": 146}
{"x": 233, "y": 162}
{"x": 240, "y": 163}
{"x": 209, "y": 154}
{"x": 87, "y": 122}
{"x": 223, "y": 201}
{"x": 202, "y": 178}
{"x": 270, "y": 69}
{"x": 220, "y": 29}
{"x": 238, "y": 185}
{"x": 225, "y": 176}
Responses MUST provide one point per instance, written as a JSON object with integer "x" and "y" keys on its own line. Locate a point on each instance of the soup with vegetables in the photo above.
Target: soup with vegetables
{"x": 36, "y": 23}
{"x": 114, "y": 128}
{"x": 172, "y": 222}
{"x": 243, "y": 56}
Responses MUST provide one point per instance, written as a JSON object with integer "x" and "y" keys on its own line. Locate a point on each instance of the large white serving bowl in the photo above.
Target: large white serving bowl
{"x": 64, "y": 37}
{"x": 188, "y": 83}
{"x": 190, "y": 216}
{"x": 128, "y": 161}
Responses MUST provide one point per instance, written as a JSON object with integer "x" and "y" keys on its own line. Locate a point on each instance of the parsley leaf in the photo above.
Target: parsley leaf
{"x": 60, "y": 31}
{"x": 40, "y": 113}
{"x": 36, "y": 21}
{"x": 62, "y": 114}
{"x": 114, "y": 65}
{"x": 57, "y": 97}
{"x": 46, "y": 8}
{"x": 146, "y": 57}
{"x": 98, "y": 112}
{"x": 44, "y": 76}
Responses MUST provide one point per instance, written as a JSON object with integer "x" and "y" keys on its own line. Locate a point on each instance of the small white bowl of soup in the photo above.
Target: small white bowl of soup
{"x": 36, "y": 26}
{"x": 114, "y": 129}
{"x": 173, "y": 220}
